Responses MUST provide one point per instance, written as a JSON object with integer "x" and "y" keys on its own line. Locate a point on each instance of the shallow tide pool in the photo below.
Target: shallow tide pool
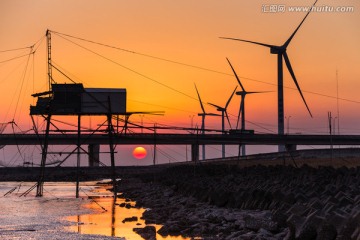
{"x": 59, "y": 215}
{"x": 111, "y": 222}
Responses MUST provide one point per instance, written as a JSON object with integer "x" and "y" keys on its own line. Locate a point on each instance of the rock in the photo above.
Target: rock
{"x": 280, "y": 218}
{"x": 282, "y": 235}
{"x": 148, "y": 232}
{"x": 292, "y": 231}
{"x": 234, "y": 235}
{"x": 307, "y": 232}
{"x": 218, "y": 198}
{"x": 295, "y": 222}
{"x": 212, "y": 218}
{"x": 169, "y": 229}
{"x": 130, "y": 219}
{"x": 350, "y": 228}
{"x": 327, "y": 231}
{"x": 256, "y": 224}
{"x": 289, "y": 198}
{"x": 337, "y": 220}
{"x": 306, "y": 202}
{"x": 356, "y": 234}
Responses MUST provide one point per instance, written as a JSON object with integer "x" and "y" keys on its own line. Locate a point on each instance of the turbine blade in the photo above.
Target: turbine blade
{"x": 228, "y": 102}
{"x": 292, "y": 35}
{"x": 242, "y": 40}
{"x": 237, "y": 78}
{"x": 212, "y": 114}
{"x": 288, "y": 65}
{"x": 227, "y": 117}
{"x": 202, "y": 107}
{"x": 259, "y": 92}
{"x": 214, "y": 105}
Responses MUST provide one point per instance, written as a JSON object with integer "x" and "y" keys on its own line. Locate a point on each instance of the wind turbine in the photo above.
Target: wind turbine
{"x": 223, "y": 111}
{"x": 281, "y": 53}
{"x": 203, "y": 115}
{"x": 242, "y": 104}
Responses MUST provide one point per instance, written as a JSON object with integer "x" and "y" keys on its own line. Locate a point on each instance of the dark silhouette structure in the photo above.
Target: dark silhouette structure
{"x": 74, "y": 99}
{"x": 280, "y": 51}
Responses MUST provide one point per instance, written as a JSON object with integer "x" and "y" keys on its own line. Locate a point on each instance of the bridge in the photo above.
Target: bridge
{"x": 180, "y": 139}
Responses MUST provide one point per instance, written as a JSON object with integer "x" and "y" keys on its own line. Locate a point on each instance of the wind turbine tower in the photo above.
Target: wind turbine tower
{"x": 224, "y": 113}
{"x": 243, "y": 94}
{"x": 281, "y": 54}
{"x": 203, "y": 115}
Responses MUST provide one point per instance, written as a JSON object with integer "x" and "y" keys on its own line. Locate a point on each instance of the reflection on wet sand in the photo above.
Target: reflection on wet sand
{"x": 112, "y": 222}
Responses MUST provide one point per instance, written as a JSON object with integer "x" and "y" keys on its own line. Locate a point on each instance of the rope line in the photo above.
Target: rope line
{"x": 199, "y": 67}
{"x": 28, "y": 191}
{"x": 8, "y": 60}
{"x": 17, "y": 145}
{"x": 144, "y": 54}
{"x": 131, "y": 70}
{"x": 22, "y": 82}
{"x": 14, "y": 49}
{"x": 94, "y": 200}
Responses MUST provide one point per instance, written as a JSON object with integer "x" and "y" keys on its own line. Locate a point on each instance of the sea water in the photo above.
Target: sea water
{"x": 108, "y": 218}
{"x": 59, "y": 215}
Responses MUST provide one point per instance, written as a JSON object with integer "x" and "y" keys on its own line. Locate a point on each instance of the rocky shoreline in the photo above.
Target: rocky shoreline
{"x": 274, "y": 202}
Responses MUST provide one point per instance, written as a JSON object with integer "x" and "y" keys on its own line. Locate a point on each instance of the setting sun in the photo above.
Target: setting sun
{"x": 139, "y": 153}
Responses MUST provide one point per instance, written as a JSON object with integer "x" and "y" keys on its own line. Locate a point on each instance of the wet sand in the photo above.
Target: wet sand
{"x": 109, "y": 219}
{"x": 40, "y": 218}
{"x": 59, "y": 215}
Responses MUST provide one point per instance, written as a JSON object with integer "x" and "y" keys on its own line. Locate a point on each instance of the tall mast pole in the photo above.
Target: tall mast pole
{"x": 48, "y": 38}
{"x": 40, "y": 183}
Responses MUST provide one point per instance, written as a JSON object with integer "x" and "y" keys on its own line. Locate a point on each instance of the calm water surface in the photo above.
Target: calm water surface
{"x": 46, "y": 214}
{"x": 110, "y": 222}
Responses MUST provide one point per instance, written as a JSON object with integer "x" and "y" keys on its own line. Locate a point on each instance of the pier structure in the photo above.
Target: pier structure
{"x": 291, "y": 140}
{"x": 94, "y": 155}
{"x": 75, "y": 100}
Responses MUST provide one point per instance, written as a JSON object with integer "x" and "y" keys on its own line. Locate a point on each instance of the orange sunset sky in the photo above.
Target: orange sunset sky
{"x": 188, "y": 32}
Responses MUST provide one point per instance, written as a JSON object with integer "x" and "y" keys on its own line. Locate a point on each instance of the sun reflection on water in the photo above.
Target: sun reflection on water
{"x": 110, "y": 222}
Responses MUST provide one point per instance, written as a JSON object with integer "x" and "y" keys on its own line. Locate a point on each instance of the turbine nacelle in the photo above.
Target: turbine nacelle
{"x": 277, "y": 49}
{"x": 241, "y": 93}
{"x": 223, "y": 110}
{"x": 218, "y": 108}
{"x": 244, "y": 93}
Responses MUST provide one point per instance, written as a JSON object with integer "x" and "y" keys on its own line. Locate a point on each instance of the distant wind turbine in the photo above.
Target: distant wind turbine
{"x": 242, "y": 104}
{"x": 203, "y": 115}
{"x": 224, "y": 113}
{"x": 281, "y": 53}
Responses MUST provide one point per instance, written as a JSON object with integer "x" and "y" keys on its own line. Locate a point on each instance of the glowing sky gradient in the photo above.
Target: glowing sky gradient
{"x": 188, "y": 32}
